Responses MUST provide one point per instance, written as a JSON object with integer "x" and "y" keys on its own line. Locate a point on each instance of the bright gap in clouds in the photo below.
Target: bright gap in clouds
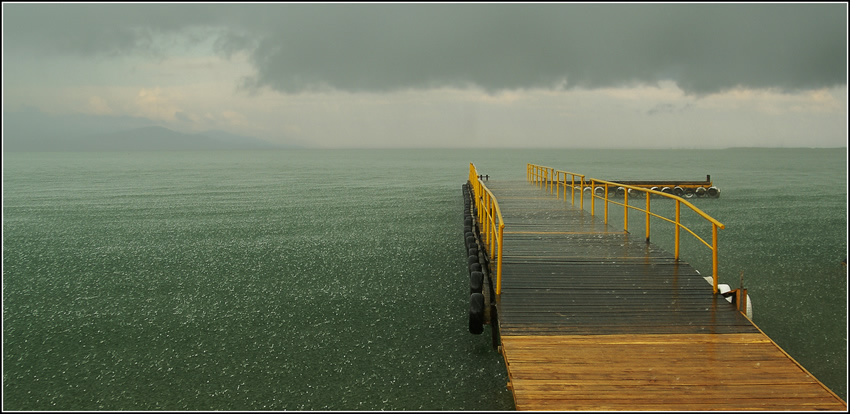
{"x": 640, "y": 116}
{"x": 661, "y": 116}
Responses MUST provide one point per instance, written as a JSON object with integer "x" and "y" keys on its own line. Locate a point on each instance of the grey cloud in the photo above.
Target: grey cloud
{"x": 705, "y": 48}
{"x": 231, "y": 42}
{"x": 101, "y": 29}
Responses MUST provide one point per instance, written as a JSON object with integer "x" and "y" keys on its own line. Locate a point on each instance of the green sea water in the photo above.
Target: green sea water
{"x": 336, "y": 279}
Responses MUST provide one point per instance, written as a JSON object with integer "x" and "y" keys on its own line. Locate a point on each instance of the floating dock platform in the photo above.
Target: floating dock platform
{"x": 588, "y": 317}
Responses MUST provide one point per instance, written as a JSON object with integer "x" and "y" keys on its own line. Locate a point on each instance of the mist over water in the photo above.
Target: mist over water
{"x": 336, "y": 279}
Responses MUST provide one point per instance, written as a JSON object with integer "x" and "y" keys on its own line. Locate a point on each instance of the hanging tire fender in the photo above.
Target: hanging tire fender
{"x": 476, "y": 313}
{"x": 476, "y": 282}
{"x": 713, "y": 192}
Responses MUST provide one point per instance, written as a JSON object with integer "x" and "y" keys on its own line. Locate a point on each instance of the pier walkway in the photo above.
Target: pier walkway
{"x": 591, "y": 318}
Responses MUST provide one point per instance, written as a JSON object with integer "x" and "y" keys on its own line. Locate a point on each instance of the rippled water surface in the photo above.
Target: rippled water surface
{"x": 336, "y": 279}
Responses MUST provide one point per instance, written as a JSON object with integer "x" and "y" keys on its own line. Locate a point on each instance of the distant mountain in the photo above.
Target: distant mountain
{"x": 32, "y": 130}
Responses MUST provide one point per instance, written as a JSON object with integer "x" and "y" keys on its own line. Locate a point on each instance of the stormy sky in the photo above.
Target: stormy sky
{"x": 442, "y": 75}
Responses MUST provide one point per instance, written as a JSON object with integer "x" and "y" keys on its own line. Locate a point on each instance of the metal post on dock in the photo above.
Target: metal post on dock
{"x": 581, "y": 193}
{"x": 677, "y": 231}
{"x": 606, "y": 203}
{"x": 626, "y": 211}
{"x": 647, "y": 217}
{"x": 714, "y": 256}
{"x": 592, "y": 197}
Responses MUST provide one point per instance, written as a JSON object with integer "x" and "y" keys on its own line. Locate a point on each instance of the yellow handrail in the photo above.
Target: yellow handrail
{"x": 490, "y": 222}
{"x": 551, "y": 179}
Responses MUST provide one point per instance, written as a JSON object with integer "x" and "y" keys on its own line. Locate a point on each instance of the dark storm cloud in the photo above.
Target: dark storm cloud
{"x": 376, "y": 47}
{"x": 92, "y": 29}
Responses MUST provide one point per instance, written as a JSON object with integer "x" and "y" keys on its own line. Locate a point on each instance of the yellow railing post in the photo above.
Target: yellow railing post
{"x": 581, "y": 194}
{"x": 606, "y": 203}
{"x": 477, "y": 196}
{"x": 677, "y": 230}
{"x": 626, "y": 212}
{"x": 565, "y": 185}
{"x": 592, "y": 197}
{"x": 714, "y": 256}
{"x": 540, "y": 178}
{"x": 482, "y": 210}
{"x": 499, "y": 260}
{"x": 552, "y": 176}
{"x": 537, "y": 177}
{"x": 559, "y": 184}
{"x": 492, "y": 228}
{"x": 484, "y": 215}
{"x": 648, "y": 196}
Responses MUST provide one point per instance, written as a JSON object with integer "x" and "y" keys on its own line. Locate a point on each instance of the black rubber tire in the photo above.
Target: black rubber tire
{"x": 476, "y": 313}
{"x": 476, "y": 282}
{"x": 713, "y": 192}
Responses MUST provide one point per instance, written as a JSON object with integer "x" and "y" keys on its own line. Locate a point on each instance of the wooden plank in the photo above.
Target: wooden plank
{"x": 546, "y": 390}
{"x": 728, "y": 404}
{"x": 643, "y": 339}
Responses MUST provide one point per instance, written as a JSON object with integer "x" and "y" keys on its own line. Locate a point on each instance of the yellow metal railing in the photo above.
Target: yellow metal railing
{"x": 490, "y": 222}
{"x": 541, "y": 175}
{"x": 550, "y": 179}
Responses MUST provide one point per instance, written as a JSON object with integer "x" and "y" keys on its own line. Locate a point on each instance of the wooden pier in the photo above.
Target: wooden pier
{"x": 592, "y": 318}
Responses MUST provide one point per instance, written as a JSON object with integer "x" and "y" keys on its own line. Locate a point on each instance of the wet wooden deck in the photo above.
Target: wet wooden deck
{"x": 592, "y": 318}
